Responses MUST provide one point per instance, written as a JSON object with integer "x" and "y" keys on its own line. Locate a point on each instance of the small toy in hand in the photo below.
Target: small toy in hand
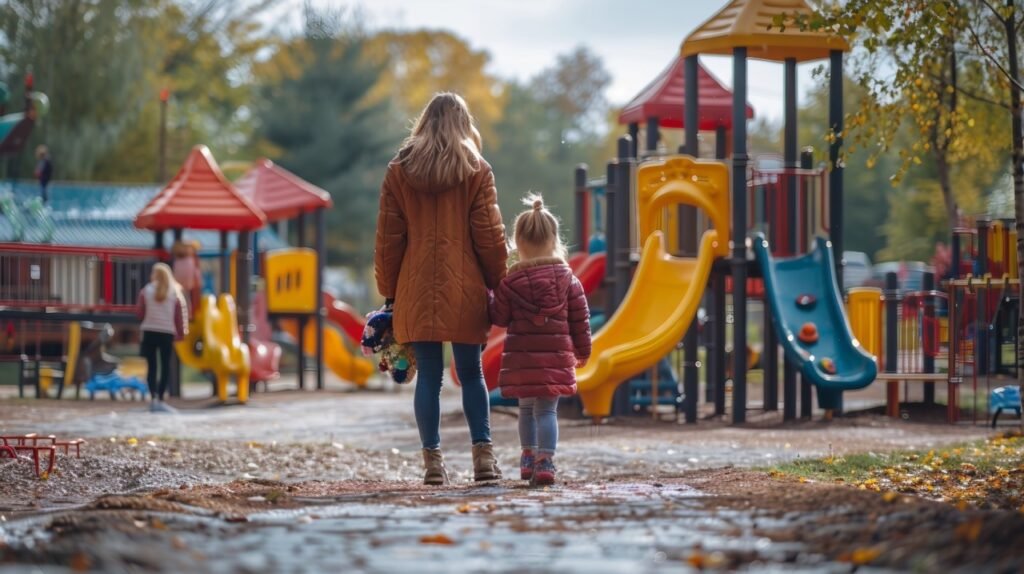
{"x": 396, "y": 359}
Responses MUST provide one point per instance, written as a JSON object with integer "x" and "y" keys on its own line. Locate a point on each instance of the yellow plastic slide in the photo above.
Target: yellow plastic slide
{"x": 666, "y": 291}
{"x": 337, "y": 357}
{"x": 213, "y": 345}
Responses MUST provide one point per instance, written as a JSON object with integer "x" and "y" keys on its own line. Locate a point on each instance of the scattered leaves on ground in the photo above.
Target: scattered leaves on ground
{"x": 986, "y": 474}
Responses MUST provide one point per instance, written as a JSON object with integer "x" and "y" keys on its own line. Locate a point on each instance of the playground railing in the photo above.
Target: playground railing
{"x": 983, "y": 331}
{"x": 49, "y": 277}
{"x": 778, "y": 195}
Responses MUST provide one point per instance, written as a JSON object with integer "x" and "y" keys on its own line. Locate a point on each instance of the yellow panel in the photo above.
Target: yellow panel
{"x": 666, "y": 182}
{"x": 74, "y": 348}
{"x": 666, "y": 291}
{"x": 995, "y": 242}
{"x": 864, "y": 309}
{"x": 749, "y": 24}
{"x": 291, "y": 281}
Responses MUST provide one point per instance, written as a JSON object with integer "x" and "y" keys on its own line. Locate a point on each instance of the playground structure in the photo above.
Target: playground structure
{"x": 49, "y": 292}
{"x": 653, "y": 205}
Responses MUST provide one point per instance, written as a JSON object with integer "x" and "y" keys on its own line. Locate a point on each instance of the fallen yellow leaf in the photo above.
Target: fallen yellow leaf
{"x": 861, "y": 556}
{"x": 890, "y": 496}
{"x": 133, "y": 441}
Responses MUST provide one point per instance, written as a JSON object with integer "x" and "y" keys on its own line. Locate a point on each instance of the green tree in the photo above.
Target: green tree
{"x": 909, "y": 39}
{"x": 315, "y": 113}
{"x": 549, "y": 125}
{"x": 85, "y": 55}
{"x": 421, "y": 63}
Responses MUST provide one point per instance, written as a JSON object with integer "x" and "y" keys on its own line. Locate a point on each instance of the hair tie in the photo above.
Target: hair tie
{"x": 538, "y": 204}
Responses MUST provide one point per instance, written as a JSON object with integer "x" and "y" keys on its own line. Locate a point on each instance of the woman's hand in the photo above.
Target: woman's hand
{"x": 580, "y": 363}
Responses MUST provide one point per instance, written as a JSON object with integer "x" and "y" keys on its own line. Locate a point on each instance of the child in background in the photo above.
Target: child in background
{"x": 544, "y": 307}
{"x": 187, "y": 273}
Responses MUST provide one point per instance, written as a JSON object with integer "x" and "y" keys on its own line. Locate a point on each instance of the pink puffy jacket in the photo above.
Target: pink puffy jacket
{"x": 545, "y": 310}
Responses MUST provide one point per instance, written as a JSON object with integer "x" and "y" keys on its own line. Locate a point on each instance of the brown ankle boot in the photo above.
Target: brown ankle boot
{"x": 485, "y": 466}
{"x": 435, "y": 473}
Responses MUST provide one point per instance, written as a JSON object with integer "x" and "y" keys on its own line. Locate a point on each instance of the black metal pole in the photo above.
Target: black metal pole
{"x": 582, "y": 209}
{"x": 623, "y": 228}
{"x": 930, "y": 336}
{"x": 688, "y": 240}
{"x": 806, "y": 407}
{"x": 892, "y": 305}
{"x": 835, "y": 176}
{"x": 653, "y": 135}
{"x": 321, "y": 257}
{"x": 955, "y": 247}
{"x": 242, "y": 281}
{"x": 610, "y": 195}
{"x": 175, "y": 378}
{"x": 715, "y": 390}
{"x": 983, "y": 337}
{"x": 225, "y": 263}
{"x": 739, "y": 236}
{"x": 621, "y": 249}
{"x": 634, "y": 140}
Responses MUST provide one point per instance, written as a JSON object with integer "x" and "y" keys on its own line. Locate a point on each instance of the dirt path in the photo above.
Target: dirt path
{"x": 302, "y": 482}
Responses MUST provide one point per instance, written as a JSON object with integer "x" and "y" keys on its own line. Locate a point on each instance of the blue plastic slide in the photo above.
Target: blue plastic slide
{"x": 804, "y": 297}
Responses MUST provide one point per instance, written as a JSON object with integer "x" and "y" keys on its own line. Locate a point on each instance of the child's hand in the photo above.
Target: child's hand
{"x": 580, "y": 363}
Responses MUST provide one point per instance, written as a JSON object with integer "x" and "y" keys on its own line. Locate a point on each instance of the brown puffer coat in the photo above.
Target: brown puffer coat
{"x": 439, "y": 249}
{"x": 545, "y": 310}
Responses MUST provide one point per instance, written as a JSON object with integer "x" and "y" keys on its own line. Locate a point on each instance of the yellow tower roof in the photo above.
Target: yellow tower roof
{"x": 748, "y": 23}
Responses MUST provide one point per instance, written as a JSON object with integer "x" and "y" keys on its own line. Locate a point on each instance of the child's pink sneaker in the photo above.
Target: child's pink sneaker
{"x": 526, "y": 462}
{"x": 543, "y": 472}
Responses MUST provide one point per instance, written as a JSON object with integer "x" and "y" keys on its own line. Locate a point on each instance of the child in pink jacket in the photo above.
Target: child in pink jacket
{"x": 544, "y": 307}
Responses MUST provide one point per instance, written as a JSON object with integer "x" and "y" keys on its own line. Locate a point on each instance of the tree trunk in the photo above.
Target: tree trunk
{"x": 1017, "y": 162}
{"x": 942, "y": 167}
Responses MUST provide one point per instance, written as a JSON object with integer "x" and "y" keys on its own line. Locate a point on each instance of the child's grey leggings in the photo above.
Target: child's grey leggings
{"x": 538, "y": 424}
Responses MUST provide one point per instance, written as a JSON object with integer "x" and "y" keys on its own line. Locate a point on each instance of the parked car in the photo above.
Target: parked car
{"x": 909, "y": 273}
{"x": 856, "y": 269}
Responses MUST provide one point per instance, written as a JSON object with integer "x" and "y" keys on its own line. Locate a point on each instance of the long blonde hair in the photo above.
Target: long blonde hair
{"x": 537, "y": 227}
{"x": 163, "y": 282}
{"x": 443, "y": 146}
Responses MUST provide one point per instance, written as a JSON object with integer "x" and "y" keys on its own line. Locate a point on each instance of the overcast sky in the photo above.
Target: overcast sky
{"x": 635, "y": 38}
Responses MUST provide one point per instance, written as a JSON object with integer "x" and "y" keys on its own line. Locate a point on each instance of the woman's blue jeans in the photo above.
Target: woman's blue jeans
{"x": 427, "y": 402}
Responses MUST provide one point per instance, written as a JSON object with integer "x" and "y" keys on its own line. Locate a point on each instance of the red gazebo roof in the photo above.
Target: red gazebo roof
{"x": 200, "y": 197}
{"x": 279, "y": 193}
{"x": 665, "y": 97}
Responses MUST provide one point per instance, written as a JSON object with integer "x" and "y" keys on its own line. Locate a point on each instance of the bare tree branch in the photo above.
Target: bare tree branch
{"x": 994, "y": 11}
{"x": 991, "y": 58}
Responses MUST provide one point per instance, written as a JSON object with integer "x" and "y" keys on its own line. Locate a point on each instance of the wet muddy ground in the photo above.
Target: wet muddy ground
{"x": 302, "y": 482}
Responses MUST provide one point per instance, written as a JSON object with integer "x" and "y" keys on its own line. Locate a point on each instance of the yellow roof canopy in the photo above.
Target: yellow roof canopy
{"x": 748, "y": 23}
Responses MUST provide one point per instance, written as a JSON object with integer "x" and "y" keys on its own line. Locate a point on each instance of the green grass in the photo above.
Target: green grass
{"x": 986, "y": 474}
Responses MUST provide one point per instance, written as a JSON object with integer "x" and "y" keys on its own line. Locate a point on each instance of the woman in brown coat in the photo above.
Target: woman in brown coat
{"x": 440, "y": 247}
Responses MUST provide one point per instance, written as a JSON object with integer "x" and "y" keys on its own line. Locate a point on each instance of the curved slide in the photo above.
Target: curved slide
{"x": 213, "y": 345}
{"x": 661, "y": 302}
{"x": 786, "y": 281}
{"x": 337, "y": 356}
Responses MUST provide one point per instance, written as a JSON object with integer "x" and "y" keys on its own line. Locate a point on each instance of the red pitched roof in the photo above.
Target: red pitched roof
{"x": 280, "y": 193}
{"x": 200, "y": 197}
{"x": 665, "y": 97}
